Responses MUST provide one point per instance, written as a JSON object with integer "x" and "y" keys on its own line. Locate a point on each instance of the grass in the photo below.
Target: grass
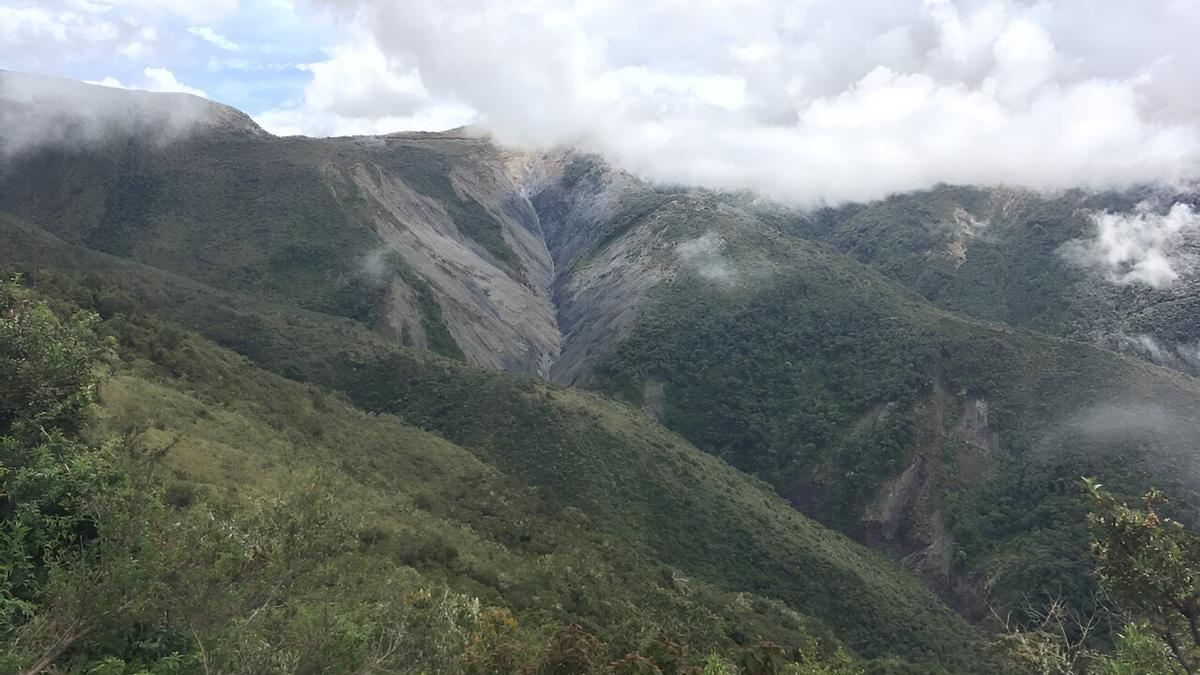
{"x": 557, "y": 504}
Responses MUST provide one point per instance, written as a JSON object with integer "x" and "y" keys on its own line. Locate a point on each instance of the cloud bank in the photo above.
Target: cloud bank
{"x": 1142, "y": 247}
{"x": 805, "y": 101}
{"x": 43, "y": 112}
{"x": 1183, "y": 356}
{"x": 808, "y": 101}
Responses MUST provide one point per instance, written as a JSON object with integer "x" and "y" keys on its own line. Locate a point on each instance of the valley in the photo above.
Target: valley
{"x": 538, "y": 381}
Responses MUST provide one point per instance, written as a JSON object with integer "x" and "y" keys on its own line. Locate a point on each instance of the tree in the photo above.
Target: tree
{"x": 46, "y": 385}
{"x": 47, "y": 380}
{"x": 1150, "y": 565}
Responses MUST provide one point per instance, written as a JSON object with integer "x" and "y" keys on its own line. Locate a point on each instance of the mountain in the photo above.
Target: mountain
{"x": 553, "y": 503}
{"x": 1006, "y": 255}
{"x": 927, "y": 374}
{"x": 950, "y": 439}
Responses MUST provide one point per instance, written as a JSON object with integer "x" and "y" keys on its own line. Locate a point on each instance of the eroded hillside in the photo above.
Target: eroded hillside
{"x": 920, "y": 373}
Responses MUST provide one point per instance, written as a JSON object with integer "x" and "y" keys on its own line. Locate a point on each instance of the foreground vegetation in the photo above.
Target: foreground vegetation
{"x": 190, "y": 523}
{"x": 321, "y": 498}
{"x": 209, "y": 516}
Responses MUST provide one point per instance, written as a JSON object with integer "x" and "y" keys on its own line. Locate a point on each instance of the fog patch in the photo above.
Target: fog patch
{"x": 1122, "y": 421}
{"x": 703, "y": 256}
{"x": 1155, "y": 431}
{"x": 1126, "y": 425}
{"x": 44, "y": 112}
{"x": 1180, "y": 356}
{"x": 1142, "y": 247}
{"x": 375, "y": 264}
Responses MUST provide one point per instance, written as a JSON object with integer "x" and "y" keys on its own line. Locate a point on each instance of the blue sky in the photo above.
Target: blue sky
{"x": 805, "y": 100}
{"x": 247, "y": 54}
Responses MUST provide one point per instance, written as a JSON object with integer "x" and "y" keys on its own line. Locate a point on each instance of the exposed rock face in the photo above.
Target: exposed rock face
{"x": 539, "y": 262}
{"x": 501, "y": 315}
{"x": 956, "y": 449}
{"x": 595, "y": 292}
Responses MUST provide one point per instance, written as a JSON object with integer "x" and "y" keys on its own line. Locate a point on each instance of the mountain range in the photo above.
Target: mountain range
{"x": 594, "y": 399}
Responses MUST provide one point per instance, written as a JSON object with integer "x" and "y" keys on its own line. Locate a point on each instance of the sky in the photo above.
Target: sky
{"x": 812, "y": 101}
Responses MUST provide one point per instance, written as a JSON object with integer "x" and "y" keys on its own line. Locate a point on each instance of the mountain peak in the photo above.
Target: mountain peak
{"x": 38, "y": 111}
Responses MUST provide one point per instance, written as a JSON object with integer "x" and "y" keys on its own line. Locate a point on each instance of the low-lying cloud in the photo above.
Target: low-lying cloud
{"x": 813, "y": 102}
{"x": 1182, "y": 356}
{"x": 40, "y": 112}
{"x": 703, "y": 256}
{"x": 1142, "y": 247}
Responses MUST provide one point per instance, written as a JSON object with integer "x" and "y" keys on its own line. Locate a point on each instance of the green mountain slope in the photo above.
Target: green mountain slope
{"x": 422, "y": 237}
{"x": 950, "y": 442}
{"x": 999, "y": 254}
{"x": 921, "y": 373}
{"x": 556, "y": 504}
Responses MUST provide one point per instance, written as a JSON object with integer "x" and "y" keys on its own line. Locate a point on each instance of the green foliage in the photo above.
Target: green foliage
{"x": 127, "y": 211}
{"x": 248, "y": 523}
{"x": 1011, "y": 271}
{"x": 1138, "y": 651}
{"x": 1150, "y": 565}
{"x": 763, "y": 658}
{"x": 773, "y": 382}
{"x": 635, "y": 210}
{"x": 46, "y": 382}
{"x": 1026, "y": 527}
{"x": 269, "y": 222}
{"x": 828, "y": 381}
{"x": 785, "y": 377}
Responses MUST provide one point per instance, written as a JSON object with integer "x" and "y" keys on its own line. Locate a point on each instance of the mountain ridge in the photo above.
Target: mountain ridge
{"x": 925, "y": 373}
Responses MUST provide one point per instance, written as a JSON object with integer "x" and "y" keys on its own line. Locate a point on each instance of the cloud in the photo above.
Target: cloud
{"x": 1178, "y": 355}
{"x": 37, "y": 35}
{"x": 809, "y": 102}
{"x": 153, "y": 79}
{"x": 161, "y": 79}
{"x": 195, "y": 10}
{"x": 40, "y": 112}
{"x": 212, "y": 37}
{"x": 108, "y": 81}
{"x": 817, "y": 101}
{"x": 355, "y": 91}
{"x": 703, "y": 256}
{"x": 1142, "y": 247}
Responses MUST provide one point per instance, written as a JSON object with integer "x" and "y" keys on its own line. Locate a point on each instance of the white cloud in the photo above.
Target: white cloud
{"x": 212, "y": 37}
{"x": 823, "y": 100}
{"x": 810, "y": 101}
{"x": 1136, "y": 248}
{"x": 356, "y": 92}
{"x": 109, "y": 81}
{"x": 30, "y": 33}
{"x": 1183, "y": 356}
{"x": 703, "y": 256}
{"x": 194, "y": 10}
{"x": 153, "y": 79}
{"x": 161, "y": 79}
{"x": 72, "y": 37}
{"x": 37, "y": 112}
